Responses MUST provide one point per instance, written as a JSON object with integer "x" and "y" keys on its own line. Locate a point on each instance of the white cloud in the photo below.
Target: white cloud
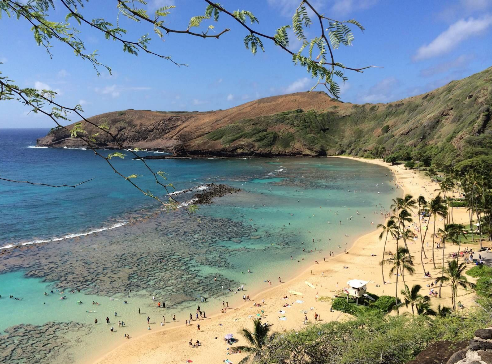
{"x": 230, "y": 97}
{"x": 63, "y": 73}
{"x": 294, "y": 43}
{"x": 38, "y": 85}
{"x": 115, "y": 90}
{"x": 453, "y": 36}
{"x": 108, "y": 90}
{"x": 219, "y": 80}
{"x": 245, "y": 97}
{"x": 156, "y": 4}
{"x": 344, "y": 7}
{"x": 344, "y": 87}
{"x": 286, "y": 7}
{"x": 475, "y": 5}
{"x": 198, "y": 102}
{"x": 3, "y": 59}
{"x": 298, "y": 85}
{"x": 381, "y": 92}
{"x": 82, "y": 102}
{"x": 460, "y": 62}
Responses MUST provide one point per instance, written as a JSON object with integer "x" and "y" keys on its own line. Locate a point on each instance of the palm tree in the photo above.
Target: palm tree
{"x": 447, "y": 185}
{"x": 405, "y": 203}
{"x": 443, "y": 311}
{"x": 454, "y": 274}
{"x": 436, "y": 207}
{"x": 422, "y": 203}
{"x": 411, "y": 296}
{"x": 390, "y": 225}
{"x": 400, "y": 263}
{"x": 257, "y": 340}
{"x": 402, "y": 207}
{"x": 451, "y": 232}
{"x": 423, "y": 307}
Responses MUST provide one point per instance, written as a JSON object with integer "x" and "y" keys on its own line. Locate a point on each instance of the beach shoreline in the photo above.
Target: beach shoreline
{"x": 171, "y": 345}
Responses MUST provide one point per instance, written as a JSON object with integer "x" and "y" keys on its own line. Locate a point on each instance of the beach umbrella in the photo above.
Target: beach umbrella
{"x": 228, "y": 336}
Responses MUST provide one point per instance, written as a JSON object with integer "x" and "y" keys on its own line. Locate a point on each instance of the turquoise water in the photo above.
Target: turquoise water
{"x": 289, "y": 213}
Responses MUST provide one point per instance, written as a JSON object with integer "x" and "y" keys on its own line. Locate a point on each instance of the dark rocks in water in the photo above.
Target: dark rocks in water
{"x": 214, "y": 191}
{"x": 47, "y": 343}
{"x": 160, "y": 256}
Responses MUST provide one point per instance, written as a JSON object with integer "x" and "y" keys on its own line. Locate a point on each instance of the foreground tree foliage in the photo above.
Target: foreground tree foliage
{"x": 372, "y": 338}
{"x": 315, "y": 54}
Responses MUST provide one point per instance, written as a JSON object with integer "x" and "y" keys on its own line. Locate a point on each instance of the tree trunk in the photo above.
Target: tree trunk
{"x": 442, "y": 272}
{"x": 384, "y": 251}
{"x": 421, "y": 236}
{"x": 480, "y": 227}
{"x": 433, "y": 241}
{"x": 396, "y": 285}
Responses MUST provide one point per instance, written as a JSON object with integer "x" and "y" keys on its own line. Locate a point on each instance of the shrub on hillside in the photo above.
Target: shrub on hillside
{"x": 410, "y": 164}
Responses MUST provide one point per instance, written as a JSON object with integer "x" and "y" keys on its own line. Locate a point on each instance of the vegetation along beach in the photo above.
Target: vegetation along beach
{"x": 289, "y": 182}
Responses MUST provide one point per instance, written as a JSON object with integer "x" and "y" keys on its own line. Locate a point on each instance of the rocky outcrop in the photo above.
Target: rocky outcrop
{"x": 478, "y": 351}
{"x": 214, "y": 191}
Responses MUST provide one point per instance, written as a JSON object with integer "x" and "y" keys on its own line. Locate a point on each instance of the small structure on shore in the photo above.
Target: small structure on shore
{"x": 357, "y": 288}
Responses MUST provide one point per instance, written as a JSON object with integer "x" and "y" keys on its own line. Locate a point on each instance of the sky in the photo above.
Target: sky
{"x": 417, "y": 45}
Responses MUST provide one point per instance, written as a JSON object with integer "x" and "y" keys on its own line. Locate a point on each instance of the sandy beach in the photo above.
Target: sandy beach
{"x": 285, "y": 304}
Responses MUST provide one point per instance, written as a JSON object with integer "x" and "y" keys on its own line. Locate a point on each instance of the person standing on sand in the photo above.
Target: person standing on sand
{"x": 139, "y": 310}
{"x": 174, "y": 317}
{"x": 198, "y": 327}
{"x": 148, "y": 320}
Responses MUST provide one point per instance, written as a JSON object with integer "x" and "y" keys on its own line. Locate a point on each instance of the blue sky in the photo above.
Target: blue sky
{"x": 419, "y": 45}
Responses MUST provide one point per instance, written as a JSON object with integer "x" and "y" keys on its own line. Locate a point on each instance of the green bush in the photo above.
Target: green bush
{"x": 457, "y": 204}
{"x": 384, "y": 303}
{"x": 372, "y": 339}
{"x": 217, "y": 134}
{"x": 341, "y": 304}
{"x": 286, "y": 140}
{"x": 480, "y": 271}
{"x": 484, "y": 286}
{"x": 410, "y": 164}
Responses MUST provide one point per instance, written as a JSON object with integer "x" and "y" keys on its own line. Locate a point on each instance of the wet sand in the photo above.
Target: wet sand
{"x": 322, "y": 279}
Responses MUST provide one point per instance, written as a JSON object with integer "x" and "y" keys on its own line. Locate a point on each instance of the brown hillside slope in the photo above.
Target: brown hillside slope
{"x": 449, "y": 124}
{"x": 166, "y": 130}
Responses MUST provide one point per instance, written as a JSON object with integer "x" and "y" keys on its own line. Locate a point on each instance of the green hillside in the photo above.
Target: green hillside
{"x": 444, "y": 126}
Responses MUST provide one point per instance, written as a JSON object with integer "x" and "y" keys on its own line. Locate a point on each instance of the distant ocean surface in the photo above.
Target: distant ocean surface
{"x": 106, "y": 239}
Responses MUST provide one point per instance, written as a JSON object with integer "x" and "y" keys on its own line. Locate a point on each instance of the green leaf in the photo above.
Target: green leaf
{"x": 116, "y": 154}
{"x": 77, "y": 129}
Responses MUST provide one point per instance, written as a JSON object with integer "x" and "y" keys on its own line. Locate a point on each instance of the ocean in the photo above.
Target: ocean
{"x": 61, "y": 249}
